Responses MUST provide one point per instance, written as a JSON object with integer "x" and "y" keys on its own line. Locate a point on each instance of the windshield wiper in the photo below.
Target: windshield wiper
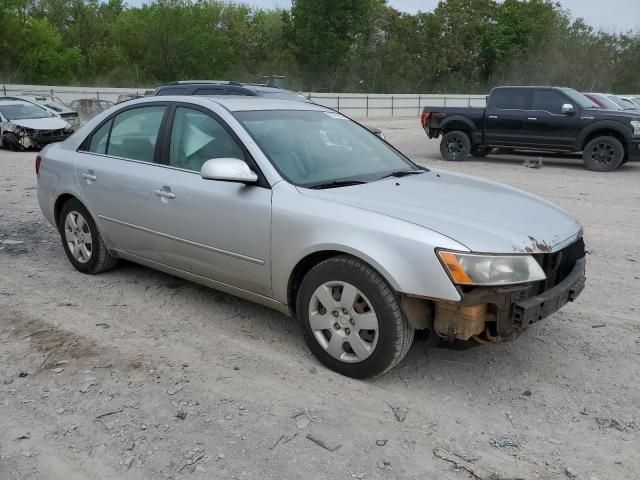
{"x": 337, "y": 183}
{"x": 402, "y": 173}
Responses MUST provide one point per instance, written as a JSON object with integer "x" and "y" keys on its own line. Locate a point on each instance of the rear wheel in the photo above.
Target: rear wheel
{"x": 351, "y": 319}
{"x": 455, "y": 146}
{"x": 82, "y": 240}
{"x": 603, "y": 154}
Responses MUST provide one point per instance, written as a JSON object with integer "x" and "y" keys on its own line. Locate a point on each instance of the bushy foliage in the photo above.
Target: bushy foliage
{"x": 332, "y": 45}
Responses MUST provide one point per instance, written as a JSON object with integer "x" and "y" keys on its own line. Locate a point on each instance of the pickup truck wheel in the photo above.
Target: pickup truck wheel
{"x": 351, "y": 319}
{"x": 455, "y": 146}
{"x": 480, "y": 152}
{"x": 603, "y": 154}
{"x": 82, "y": 241}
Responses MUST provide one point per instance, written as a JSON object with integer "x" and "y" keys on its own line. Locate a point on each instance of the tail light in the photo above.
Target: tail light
{"x": 38, "y": 162}
{"x": 424, "y": 119}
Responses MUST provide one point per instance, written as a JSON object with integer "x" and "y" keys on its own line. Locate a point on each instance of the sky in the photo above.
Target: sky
{"x": 608, "y": 15}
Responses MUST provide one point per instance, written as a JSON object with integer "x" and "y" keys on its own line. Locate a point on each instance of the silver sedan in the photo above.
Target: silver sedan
{"x": 299, "y": 208}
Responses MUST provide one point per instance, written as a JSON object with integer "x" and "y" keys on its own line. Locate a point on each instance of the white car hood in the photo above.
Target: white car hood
{"x": 484, "y": 216}
{"x": 52, "y": 123}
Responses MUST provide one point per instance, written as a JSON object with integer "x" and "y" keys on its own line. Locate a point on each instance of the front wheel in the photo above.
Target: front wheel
{"x": 351, "y": 319}
{"x": 455, "y": 146}
{"x": 603, "y": 154}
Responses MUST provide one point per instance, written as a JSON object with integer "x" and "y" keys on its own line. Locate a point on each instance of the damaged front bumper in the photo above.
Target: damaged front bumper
{"x": 504, "y": 312}
{"x": 20, "y": 138}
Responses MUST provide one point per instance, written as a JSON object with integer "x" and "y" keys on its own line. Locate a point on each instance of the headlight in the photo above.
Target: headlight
{"x": 636, "y": 127}
{"x": 472, "y": 269}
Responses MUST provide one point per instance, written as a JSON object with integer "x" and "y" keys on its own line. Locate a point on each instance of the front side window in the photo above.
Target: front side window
{"x": 197, "y": 137}
{"x": 549, "y": 101}
{"x": 315, "y": 148}
{"x": 131, "y": 134}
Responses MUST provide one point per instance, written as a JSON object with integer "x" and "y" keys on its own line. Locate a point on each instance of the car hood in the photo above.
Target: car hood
{"x": 50, "y": 123}
{"x": 617, "y": 114}
{"x": 484, "y": 216}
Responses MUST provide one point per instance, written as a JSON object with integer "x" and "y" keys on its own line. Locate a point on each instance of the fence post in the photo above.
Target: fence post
{"x": 4, "y": 87}
{"x": 445, "y": 100}
{"x": 367, "y": 105}
{"x": 338, "y": 97}
{"x": 98, "y": 95}
{"x": 392, "y": 105}
{"x": 419, "y": 102}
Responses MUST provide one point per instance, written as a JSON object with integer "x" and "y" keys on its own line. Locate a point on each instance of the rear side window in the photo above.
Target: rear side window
{"x": 132, "y": 134}
{"x": 171, "y": 91}
{"x": 211, "y": 91}
{"x": 100, "y": 137}
{"x": 549, "y": 101}
{"x": 509, "y": 98}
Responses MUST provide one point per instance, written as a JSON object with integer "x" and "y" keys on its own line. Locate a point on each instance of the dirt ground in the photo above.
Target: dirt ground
{"x": 135, "y": 374}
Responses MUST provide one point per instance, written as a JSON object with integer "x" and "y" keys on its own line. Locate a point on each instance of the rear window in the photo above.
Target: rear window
{"x": 509, "y": 98}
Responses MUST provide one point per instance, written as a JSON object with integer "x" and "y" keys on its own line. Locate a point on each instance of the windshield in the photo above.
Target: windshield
{"x": 22, "y": 111}
{"x": 608, "y": 103}
{"x": 579, "y": 98}
{"x": 312, "y": 148}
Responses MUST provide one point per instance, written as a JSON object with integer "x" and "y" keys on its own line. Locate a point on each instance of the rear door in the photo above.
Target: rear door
{"x": 546, "y": 126}
{"x": 215, "y": 229}
{"x": 114, "y": 170}
{"x": 505, "y": 116}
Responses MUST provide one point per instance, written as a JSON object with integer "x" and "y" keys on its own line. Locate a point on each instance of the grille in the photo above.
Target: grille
{"x": 558, "y": 265}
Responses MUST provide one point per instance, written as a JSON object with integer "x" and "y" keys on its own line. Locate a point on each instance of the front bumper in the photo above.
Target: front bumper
{"x": 515, "y": 309}
{"x": 633, "y": 150}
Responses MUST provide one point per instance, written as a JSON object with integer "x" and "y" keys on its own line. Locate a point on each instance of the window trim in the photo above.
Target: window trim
{"x": 165, "y": 146}
{"x": 84, "y": 146}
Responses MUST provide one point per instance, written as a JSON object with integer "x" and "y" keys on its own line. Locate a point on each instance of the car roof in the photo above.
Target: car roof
{"x": 239, "y": 103}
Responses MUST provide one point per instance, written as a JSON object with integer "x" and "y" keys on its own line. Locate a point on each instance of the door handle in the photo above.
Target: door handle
{"x": 493, "y": 117}
{"x": 89, "y": 176}
{"x": 532, "y": 118}
{"x": 164, "y": 193}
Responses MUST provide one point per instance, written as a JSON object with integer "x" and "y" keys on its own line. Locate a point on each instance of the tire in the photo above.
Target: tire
{"x": 368, "y": 301}
{"x": 480, "y": 152}
{"x": 91, "y": 255}
{"x": 10, "y": 142}
{"x": 603, "y": 154}
{"x": 455, "y": 146}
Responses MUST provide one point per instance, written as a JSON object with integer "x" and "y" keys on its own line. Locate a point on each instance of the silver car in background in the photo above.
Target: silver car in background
{"x": 296, "y": 207}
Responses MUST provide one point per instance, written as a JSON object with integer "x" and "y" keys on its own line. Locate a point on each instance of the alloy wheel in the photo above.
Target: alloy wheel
{"x": 602, "y": 153}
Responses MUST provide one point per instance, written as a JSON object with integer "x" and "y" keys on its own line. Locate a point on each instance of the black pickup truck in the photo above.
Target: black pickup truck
{"x": 537, "y": 118}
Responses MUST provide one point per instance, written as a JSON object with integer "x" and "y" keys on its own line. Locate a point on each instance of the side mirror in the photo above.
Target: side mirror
{"x": 568, "y": 109}
{"x": 228, "y": 170}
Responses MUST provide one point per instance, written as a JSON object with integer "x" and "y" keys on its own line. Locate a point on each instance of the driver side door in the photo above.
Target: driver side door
{"x": 215, "y": 229}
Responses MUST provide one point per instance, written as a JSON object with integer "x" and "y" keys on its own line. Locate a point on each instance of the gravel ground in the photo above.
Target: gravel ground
{"x": 136, "y": 374}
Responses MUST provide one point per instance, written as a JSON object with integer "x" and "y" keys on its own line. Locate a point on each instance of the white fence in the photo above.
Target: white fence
{"x": 352, "y": 104}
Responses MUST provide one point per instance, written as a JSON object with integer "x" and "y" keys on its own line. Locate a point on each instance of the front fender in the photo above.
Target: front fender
{"x": 617, "y": 127}
{"x": 403, "y": 253}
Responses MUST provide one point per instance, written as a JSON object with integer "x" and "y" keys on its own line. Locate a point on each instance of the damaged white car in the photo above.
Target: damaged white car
{"x": 24, "y": 125}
